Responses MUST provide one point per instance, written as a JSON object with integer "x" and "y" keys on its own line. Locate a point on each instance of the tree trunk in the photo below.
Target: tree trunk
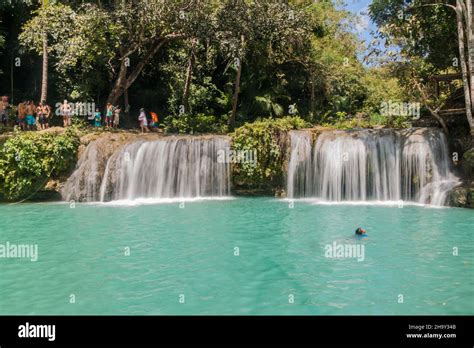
{"x": 464, "y": 67}
{"x": 235, "y": 98}
{"x": 12, "y": 99}
{"x": 313, "y": 97}
{"x": 44, "y": 81}
{"x": 440, "y": 120}
{"x": 434, "y": 112}
{"x": 126, "y": 101}
{"x": 120, "y": 84}
{"x": 470, "y": 47}
{"x": 189, "y": 76}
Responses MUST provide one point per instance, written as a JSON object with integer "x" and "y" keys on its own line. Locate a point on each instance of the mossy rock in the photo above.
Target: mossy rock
{"x": 470, "y": 198}
{"x": 458, "y": 197}
{"x": 269, "y": 138}
{"x": 468, "y": 162}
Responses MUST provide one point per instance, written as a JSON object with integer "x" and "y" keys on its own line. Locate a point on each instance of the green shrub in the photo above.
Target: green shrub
{"x": 399, "y": 122}
{"x": 200, "y": 123}
{"x": 374, "y": 119}
{"x": 28, "y": 159}
{"x": 377, "y": 119}
{"x": 265, "y": 137}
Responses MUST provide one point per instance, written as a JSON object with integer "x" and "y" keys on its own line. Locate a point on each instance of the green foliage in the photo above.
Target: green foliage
{"x": 190, "y": 124}
{"x": 267, "y": 138}
{"x": 306, "y": 57}
{"x": 381, "y": 86}
{"x": 305, "y": 44}
{"x": 29, "y": 159}
{"x": 350, "y": 124}
{"x": 418, "y": 30}
{"x": 421, "y": 41}
{"x": 341, "y": 121}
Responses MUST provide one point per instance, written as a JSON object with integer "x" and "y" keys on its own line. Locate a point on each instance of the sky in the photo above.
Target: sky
{"x": 365, "y": 25}
{"x": 364, "y": 28}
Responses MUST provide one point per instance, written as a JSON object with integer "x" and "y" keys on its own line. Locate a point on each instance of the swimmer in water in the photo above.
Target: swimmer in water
{"x": 361, "y": 232}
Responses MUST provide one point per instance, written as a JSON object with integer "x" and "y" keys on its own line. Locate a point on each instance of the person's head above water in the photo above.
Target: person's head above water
{"x": 360, "y": 231}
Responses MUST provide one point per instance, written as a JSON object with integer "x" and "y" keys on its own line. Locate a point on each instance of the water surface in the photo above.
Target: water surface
{"x": 191, "y": 249}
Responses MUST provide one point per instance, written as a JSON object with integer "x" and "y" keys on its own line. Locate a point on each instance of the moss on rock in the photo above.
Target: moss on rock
{"x": 269, "y": 139}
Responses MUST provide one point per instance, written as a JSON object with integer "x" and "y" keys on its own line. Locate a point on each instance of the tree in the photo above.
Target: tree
{"x": 236, "y": 59}
{"x": 50, "y": 20}
{"x": 255, "y": 33}
{"x": 465, "y": 28}
{"x": 434, "y": 31}
{"x": 2, "y": 43}
{"x": 234, "y": 27}
{"x": 125, "y": 36}
{"x": 189, "y": 73}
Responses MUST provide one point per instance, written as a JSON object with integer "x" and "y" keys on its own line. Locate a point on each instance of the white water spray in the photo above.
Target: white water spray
{"x": 371, "y": 165}
{"x": 171, "y": 167}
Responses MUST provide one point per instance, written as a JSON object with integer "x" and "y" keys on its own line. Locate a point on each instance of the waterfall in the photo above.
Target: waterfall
{"x": 371, "y": 165}
{"x": 300, "y": 164}
{"x": 85, "y": 182}
{"x": 170, "y": 167}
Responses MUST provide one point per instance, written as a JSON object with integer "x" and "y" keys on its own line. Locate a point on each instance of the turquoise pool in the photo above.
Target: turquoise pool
{"x": 236, "y": 256}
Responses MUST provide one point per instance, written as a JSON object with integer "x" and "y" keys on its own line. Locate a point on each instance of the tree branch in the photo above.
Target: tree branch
{"x": 431, "y": 5}
{"x": 433, "y": 112}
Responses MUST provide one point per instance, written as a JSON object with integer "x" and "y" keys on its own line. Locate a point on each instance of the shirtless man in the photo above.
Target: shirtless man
{"x": 65, "y": 111}
{"x": 22, "y": 115}
{"x": 4, "y": 111}
{"x": 30, "y": 112}
{"x": 46, "y": 113}
{"x": 42, "y": 112}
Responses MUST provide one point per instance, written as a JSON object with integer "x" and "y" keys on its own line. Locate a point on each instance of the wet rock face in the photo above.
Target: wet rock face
{"x": 462, "y": 196}
{"x": 470, "y": 198}
{"x": 458, "y": 197}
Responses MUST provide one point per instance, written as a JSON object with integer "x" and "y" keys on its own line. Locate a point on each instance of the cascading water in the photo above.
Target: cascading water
{"x": 377, "y": 165}
{"x": 171, "y": 167}
{"x": 85, "y": 182}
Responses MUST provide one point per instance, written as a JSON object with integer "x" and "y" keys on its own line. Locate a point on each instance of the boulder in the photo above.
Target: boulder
{"x": 458, "y": 197}
{"x": 470, "y": 198}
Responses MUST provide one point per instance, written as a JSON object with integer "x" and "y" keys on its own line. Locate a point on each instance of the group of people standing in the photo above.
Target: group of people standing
{"x": 31, "y": 116}
{"x": 112, "y": 116}
{"x": 146, "y": 123}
